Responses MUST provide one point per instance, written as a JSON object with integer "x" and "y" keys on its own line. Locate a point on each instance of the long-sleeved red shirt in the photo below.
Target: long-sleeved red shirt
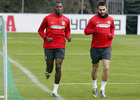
{"x": 55, "y": 27}
{"x": 102, "y": 30}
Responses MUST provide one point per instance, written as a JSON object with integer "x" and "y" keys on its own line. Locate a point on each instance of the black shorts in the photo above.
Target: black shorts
{"x": 51, "y": 54}
{"x": 100, "y": 53}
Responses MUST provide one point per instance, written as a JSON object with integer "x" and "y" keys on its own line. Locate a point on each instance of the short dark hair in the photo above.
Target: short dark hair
{"x": 57, "y": 2}
{"x": 101, "y": 3}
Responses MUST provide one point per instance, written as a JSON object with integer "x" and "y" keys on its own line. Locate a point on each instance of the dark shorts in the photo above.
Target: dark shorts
{"x": 97, "y": 54}
{"x": 51, "y": 54}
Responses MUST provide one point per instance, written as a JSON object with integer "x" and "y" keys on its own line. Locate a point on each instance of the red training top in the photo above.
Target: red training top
{"x": 57, "y": 28}
{"x": 102, "y": 30}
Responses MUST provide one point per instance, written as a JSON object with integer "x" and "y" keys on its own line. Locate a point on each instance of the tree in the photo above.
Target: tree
{"x": 40, "y": 6}
{"x": 10, "y": 6}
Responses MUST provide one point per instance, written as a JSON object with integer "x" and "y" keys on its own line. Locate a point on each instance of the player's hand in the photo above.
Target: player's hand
{"x": 69, "y": 39}
{"x": 96, "y": 30}
{"x": 49, "y": 39}
{"x": 110, "y": 37}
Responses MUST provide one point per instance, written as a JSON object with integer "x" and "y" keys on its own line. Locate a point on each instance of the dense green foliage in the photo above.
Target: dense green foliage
{"x": 40, "y": 6}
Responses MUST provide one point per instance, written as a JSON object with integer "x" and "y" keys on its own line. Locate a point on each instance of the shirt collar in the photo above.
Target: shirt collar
{"x": 106, "y": 15}
{"x": 56, "y": 15}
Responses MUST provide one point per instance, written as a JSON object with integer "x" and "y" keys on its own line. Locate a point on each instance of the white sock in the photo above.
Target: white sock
{"x": 94, "y": 84}
{"x": 103, "y": 85}
{"x": 55, "y": 88}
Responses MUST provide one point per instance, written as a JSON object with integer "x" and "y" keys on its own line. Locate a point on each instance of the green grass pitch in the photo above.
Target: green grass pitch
{"x": 124, "y": 74}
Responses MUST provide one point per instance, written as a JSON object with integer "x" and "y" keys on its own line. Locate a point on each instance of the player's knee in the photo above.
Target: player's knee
{"x": 95, "y": 67}
{"x": 49, "y": 69}
{"x": 106, "y": 69}
{"x": 58, "y": 69}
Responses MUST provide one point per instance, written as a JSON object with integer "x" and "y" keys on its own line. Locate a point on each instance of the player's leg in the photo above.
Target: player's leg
{"x": 58, "y": 70}
{"x": 106, "y": 61}
{"x": 94, "y": 75}
{"x": 49, "y": 57}
{"x": 105, "y": 70}
{"x": 49, "y": 68}
{"x": 57, "y": 76}
{"x": 104, "y": 77}
{"x": 59, "y": 55}
{"x": 95, "y": 65}
{"x": 105, "y": 73}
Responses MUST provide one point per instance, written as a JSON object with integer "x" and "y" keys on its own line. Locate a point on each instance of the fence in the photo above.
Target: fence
{"x": 115, "y": 6}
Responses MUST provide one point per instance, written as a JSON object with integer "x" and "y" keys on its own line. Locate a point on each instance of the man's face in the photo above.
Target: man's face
{"x": 58, "y": 8}
{"x": 102, "y": 10}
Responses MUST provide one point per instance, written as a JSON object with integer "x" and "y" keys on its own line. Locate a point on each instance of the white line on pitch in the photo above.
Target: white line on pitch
{"x": 32, "y": 77}
{"x": 40, "y": 38}
{"x": 97, "y": 83}
{"x": 30, "y": 53}
{"x": 72, "y": 38}
{"x": 23, "y": 38}
{"x": 75, "y": 54}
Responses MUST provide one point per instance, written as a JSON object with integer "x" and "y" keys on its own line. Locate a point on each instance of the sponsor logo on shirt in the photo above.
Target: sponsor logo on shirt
{"x": 52, "y": 22}
{"x": 103, "y": 25}
{"x": 57, "y": 27}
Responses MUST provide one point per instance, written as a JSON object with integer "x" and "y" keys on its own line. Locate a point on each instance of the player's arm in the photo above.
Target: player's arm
{"x": 67, "y": 31}
{"x": 89, "y": 28}
{"x": 41, "y": 30}
{"x": 112, "y": 28}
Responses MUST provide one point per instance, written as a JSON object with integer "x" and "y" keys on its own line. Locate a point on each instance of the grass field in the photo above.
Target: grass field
{"x": 25, "y": 51}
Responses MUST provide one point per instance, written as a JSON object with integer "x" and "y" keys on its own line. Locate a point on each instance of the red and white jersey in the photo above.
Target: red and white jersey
{"x": 55, "y": 27}
{"x": 100, "y": 28}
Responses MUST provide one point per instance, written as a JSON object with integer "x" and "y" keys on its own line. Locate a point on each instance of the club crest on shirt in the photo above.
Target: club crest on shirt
{"x": 63, "y": 22}
{"x": 108, "y": 21}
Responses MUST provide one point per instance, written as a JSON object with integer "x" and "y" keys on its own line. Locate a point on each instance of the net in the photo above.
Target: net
{"x": 12, "y": 90}
{"x": 3, "y": 62}
{"x": 7, "y": 91}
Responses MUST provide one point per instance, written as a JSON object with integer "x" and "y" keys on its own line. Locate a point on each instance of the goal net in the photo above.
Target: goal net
{"x": 8, "y": 90}
{"x": 3, "y": 61}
